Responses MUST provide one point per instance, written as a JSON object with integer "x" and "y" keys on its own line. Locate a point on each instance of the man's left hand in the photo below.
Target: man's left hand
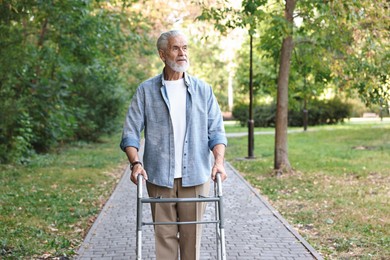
{"x": 218, "y": 168}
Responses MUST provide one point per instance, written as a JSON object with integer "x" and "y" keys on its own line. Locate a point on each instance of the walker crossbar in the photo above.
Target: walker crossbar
{"x": 217, "y": 199}
{"x": 169, "y": 200}
{"x": 180, "y": 223}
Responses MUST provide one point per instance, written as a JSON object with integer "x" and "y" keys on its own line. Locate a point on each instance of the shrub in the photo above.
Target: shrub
{"x": 263, "y": 115}
{"x": 319, "y": 112}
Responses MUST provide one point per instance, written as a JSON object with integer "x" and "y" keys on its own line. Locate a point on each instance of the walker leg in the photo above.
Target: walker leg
{"x": 139, "y": 217}
{"x": 221, "y": 218}
{"x": 217, "y": 233}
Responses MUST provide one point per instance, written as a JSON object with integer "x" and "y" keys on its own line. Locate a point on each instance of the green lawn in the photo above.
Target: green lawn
{"x": 338, "y": 197}
{"x": 46, "y": 207}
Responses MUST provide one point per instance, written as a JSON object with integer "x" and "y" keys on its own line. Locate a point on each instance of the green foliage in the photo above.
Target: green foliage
{"x": 320, "y": 112}
{"x": 59, "y": 74}
{"x": 19, "y": 143}
{"x": 204, "y": 59}
{"x": 363, "y": 62}
{"x": 264, "y": 71}
{"x": 263, "y": 115}
{"x": 340, "y": 45}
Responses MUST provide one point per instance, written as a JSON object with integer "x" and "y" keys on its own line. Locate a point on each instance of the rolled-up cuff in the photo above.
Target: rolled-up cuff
{"x": 218, "y": 140}
{"x": 129, "y": 142}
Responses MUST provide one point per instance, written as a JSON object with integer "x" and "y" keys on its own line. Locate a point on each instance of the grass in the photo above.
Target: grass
{"x": 338, "y": 197}
{"x": 47, "y": 206}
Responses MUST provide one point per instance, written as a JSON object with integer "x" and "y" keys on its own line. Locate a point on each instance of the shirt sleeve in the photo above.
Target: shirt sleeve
{"x": 134, "y": 121}
{"x": 216, "y": 129}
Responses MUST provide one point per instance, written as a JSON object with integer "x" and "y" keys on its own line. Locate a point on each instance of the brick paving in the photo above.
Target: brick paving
{"x": 254, "y": 230}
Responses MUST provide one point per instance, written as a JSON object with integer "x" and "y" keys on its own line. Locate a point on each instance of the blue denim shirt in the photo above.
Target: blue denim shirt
{"x": 149, "y": 111}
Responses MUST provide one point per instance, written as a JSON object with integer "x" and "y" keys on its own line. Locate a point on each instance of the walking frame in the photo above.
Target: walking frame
{"x": 219, "y": 217}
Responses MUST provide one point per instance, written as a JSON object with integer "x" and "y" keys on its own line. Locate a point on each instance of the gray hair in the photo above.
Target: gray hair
{"x": 162, "y": 42}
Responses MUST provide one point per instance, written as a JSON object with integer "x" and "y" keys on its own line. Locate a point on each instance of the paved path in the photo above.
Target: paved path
{"x": 241, "y": 134}
{"x": 254, "y": 230}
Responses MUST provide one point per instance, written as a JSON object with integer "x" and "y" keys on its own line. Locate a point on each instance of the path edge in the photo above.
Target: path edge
{"x": 101, "y": 215}
{"x": 312, "y": 251}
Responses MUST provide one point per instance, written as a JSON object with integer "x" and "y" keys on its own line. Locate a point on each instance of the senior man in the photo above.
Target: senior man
{"x": 183, "y": 128}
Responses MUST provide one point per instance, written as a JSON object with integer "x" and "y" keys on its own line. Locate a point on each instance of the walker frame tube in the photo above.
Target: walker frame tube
{"x": 139, "y": 217}
{"x": 219, "y": 217}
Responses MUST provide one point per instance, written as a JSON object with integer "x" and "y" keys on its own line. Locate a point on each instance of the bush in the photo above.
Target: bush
{"x": 241, "y": 113}
{"x": 320, "y": 112}
{"x": 264, "y": 115}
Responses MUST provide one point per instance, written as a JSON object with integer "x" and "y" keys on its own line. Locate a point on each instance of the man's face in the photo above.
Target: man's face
{"x": 176, "y": 56}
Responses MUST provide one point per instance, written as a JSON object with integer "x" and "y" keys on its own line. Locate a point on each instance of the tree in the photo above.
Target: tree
{"x": 251, "y": 16}
{"x": 281, "y": 161}
{"x": 346, "y": 56}
{"x": 58, "y": 74}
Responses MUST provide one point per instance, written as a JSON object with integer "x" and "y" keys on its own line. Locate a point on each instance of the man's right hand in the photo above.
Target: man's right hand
{"x": 138, "y": 169}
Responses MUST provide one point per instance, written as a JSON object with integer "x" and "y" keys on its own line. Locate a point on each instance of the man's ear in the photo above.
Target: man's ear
{"x": 162, "y": 55}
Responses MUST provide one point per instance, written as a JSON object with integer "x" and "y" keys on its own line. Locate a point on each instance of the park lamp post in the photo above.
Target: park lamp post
{"x": 250, "y": 120}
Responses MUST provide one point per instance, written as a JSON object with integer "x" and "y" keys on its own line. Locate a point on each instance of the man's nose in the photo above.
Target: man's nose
{"x": 181, "y": 51}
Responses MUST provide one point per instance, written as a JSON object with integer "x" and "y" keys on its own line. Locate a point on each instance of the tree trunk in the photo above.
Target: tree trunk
{"x": 305, "y": 115}
{"x": 281, "y": 162}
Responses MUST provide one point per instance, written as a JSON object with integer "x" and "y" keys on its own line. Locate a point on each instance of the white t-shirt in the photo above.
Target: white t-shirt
{"x": 177, "y": 95}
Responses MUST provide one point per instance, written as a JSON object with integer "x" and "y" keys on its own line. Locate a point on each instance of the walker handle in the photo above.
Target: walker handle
{"x": 219, "y": 183}
{"x": 140, "y": 178}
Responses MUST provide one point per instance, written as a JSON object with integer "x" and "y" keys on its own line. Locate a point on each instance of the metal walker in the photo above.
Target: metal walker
{"x": 219, "y": 217}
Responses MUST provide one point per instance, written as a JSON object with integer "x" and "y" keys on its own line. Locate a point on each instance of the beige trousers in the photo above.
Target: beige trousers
{"x": 171, "y": 238}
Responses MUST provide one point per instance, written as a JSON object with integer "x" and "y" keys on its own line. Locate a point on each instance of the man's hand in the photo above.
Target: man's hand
{"x": 132, "y": 155}
{"x": 218, "y": 168}
{"x": 137, "y": 169}
{"x": 219, "y": 153}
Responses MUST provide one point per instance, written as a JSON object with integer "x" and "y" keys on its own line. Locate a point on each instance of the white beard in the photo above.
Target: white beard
{"x": 176, "y": 67}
